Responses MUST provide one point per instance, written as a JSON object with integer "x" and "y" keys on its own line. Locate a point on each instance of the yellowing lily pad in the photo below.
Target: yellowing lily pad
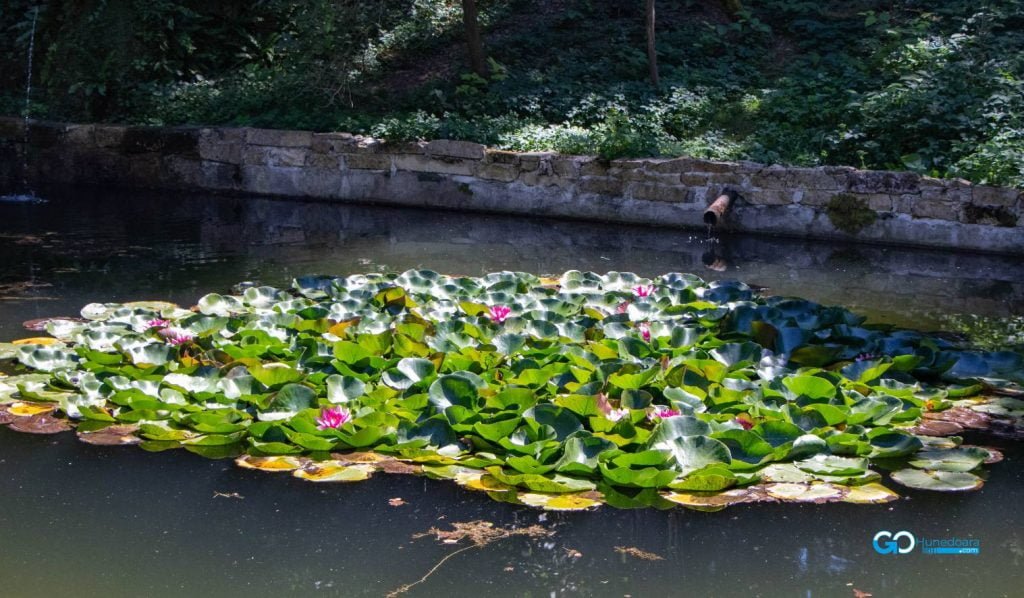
{"x": 559, "y": 502}
{"x": 29, "y": 409}
{"x": 277, "y": 463}
{"x": 816, "y": 493}
{"x": 734, "y": 496}
{"x": 484, "y": 482}
{"x": 37, "y": 340}
{"x": 332, "y": 471}
{"x": 360, "y": 457}
{"x": 869, "y": 494}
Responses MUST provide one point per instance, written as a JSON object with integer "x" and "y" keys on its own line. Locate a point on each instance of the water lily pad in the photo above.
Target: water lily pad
{"x": 5, "y": 416}
{"x": 816, "y": 493}
{"x": 869, "y": 494}
{"x": 117, "y": 435}
{"x": 45, "y": 341}
{"x": 29, "y": 409}
{"x": 40, "y": 424}
{"x": 560, "y": 502}
{"x": 331, "y": 471}
{"x": 934, "y": 427}
{"x": 833, "y": 465}
{"x": 957, "y": 459}
{"x": 939, "y": 481}
{"x": 481, "y": 481}
{"x": 273, "y": 463}
{"x": 785, "y": 473}
{"x": 557, "y": 399}
{"x": 734, "y": 496}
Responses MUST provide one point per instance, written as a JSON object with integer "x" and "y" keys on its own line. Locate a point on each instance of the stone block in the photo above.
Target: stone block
{"x": 904, "y": 204}
{"x": 368, "y": 161}
{"x": 566, "y": 166}
{"x": 772, "y": 177}
{"x": 325, "y": 143}
{"x": 628, "y": 164}
{"x": 501, "y": 157}
{"x": 537, "y": 178}
{"x": 876, "y": 181}
{"x": 817, "y": 197}
{"x": 321, "y": 161}
{"x": 938, "y": 210}
{"x": 402, "y": 147}
{"x": 733, "y": 179}
{"x": 817, "y": 178}
{"x": 455, "y": 149}
{"x": 286, "y": 156}
{"x": 655, "y": 192}
{"x": 179, "y": 141}
{"x": 415, "y": 163}
{"x": 80, "y": 135}
{"x": 879, "y": 202}
{"x": 602, "y": 186}
{"x": 694, "y": 179}
{"x": 769, "y": 197}
{"x": 536, "y": 161}
{"x": 505, "y": 173}
{"x": 627, "y": 174}
{"x": 279, "y": 137}
{"x": 984, "y": 195}
{"x": 593, "y": 167}
{"x": 229, "y": 153}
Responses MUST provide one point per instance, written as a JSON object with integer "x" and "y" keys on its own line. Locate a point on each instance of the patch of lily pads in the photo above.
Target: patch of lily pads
{"x": 561, "y": 393}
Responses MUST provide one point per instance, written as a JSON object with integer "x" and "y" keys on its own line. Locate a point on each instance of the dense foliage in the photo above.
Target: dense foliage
{"x": 933, "y": 87}
{"x": 561, "y": 393}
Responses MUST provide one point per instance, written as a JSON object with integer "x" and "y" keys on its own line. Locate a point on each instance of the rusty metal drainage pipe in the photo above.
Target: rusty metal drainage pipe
{"x": 714, "y": 215}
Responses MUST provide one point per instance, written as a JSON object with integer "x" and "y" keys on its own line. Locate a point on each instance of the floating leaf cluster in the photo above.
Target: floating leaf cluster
{"x": 558, "y": 393}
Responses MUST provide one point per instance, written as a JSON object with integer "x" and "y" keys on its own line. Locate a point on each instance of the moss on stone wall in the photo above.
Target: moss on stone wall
{"x": 849, "y": 213}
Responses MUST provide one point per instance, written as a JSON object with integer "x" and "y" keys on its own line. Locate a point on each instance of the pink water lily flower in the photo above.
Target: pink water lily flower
{"x": 176, "y": 336}
{"x": 605, "y": 406}
{"x": 622, "y": 307}
{"x": 499, "y": 313}
{"x": 157, "y": 323}
{"x": 645, "y": 331}
{"x": 333, "y": 417}
{"x": 663, "y": 412}
{"x": 865, "y": 357}
{"x": 643, "y": 290}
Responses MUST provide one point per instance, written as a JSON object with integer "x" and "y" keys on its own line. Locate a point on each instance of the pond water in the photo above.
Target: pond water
{"x": 82, "y": 520}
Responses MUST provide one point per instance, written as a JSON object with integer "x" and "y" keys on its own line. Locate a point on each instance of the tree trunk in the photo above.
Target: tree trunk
{"x": 652, "y": 53}
{"x": 474, "y": 44}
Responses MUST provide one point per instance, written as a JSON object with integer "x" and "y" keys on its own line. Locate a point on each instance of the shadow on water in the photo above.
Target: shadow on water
{"x": 91, "y": 521}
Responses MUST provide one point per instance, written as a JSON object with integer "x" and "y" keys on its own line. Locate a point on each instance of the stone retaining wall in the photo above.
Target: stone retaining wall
{"x": 823, "y": 202}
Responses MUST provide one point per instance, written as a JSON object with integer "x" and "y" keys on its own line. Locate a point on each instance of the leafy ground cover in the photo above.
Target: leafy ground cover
{"x": 931, "y": 87}
{"x": 558, "y": 393}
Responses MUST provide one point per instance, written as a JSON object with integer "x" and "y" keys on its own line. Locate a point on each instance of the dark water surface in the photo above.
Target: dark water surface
{"x": 79, "y": 520}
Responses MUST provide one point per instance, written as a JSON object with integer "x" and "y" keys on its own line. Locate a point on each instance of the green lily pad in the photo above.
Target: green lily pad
{"x": 939, "y": 481}
{"x": 957, "y": 459}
